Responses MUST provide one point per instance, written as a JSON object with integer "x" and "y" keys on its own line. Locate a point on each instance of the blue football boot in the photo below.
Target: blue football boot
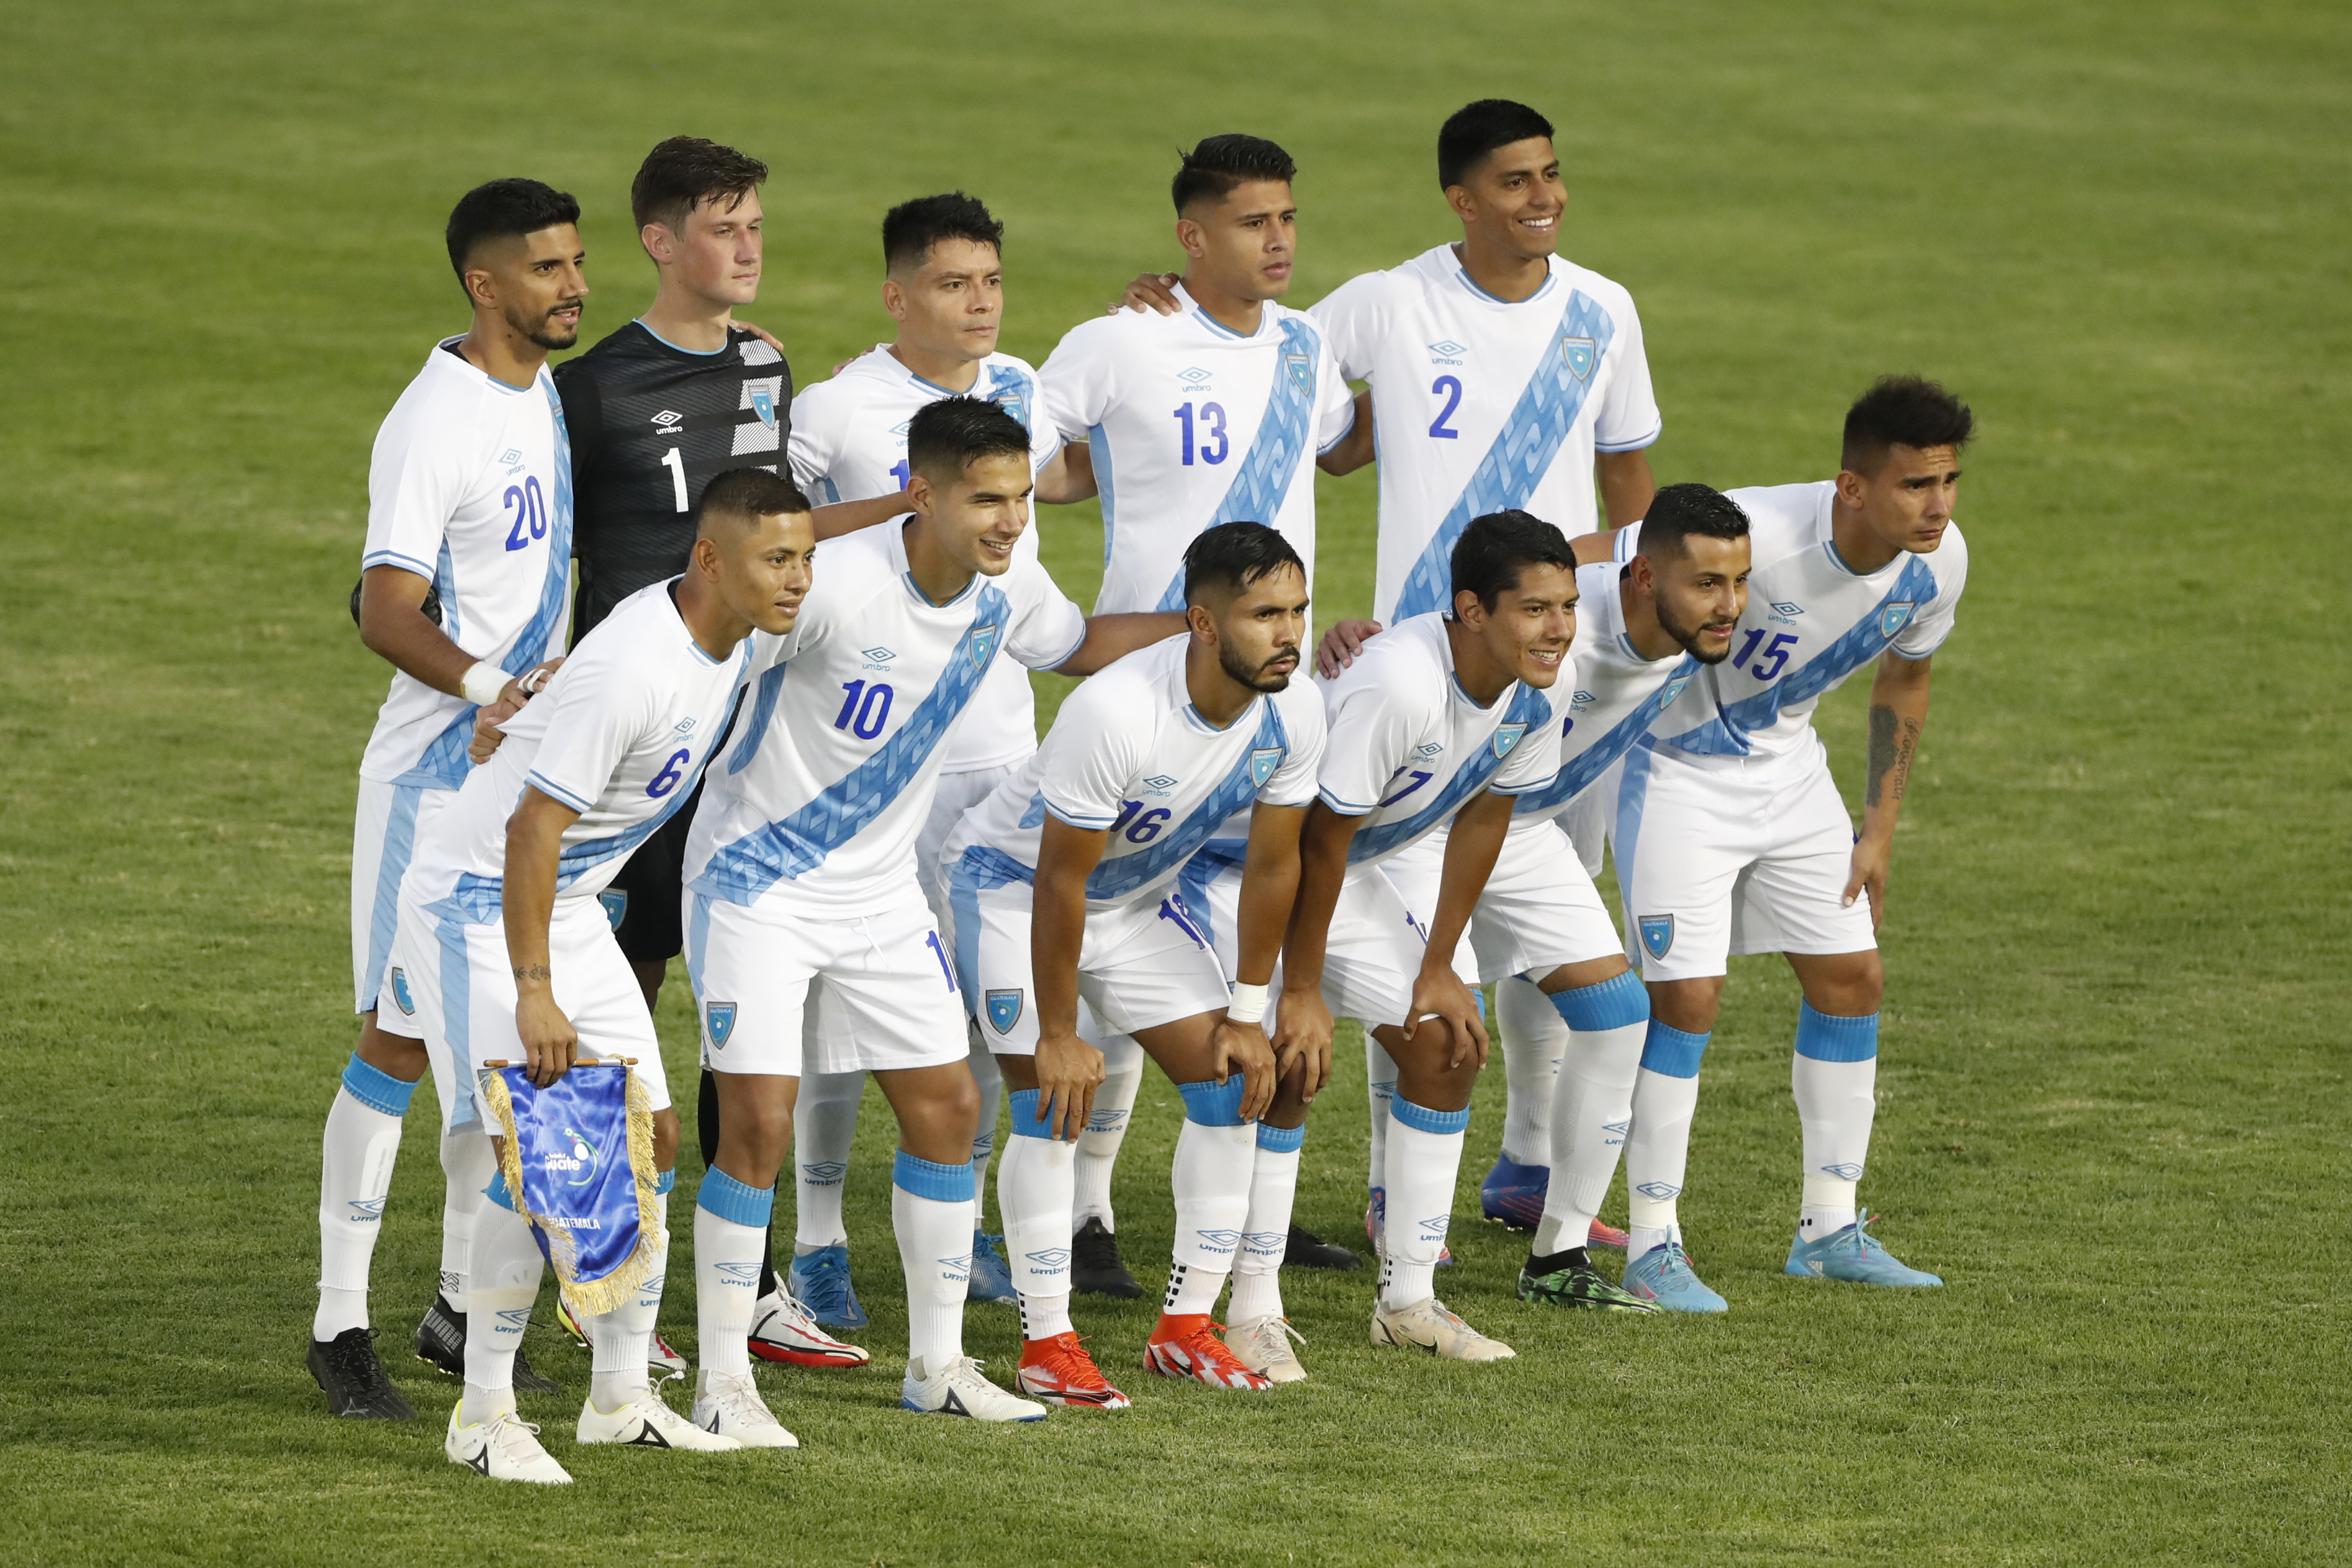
{"x": 991, "y": 1279}
{"x": 821, "y": 1283}
{"x": 1513, "y": 1193}
{"x": 1854, "y": 1254}
{"x": 1665, "y": 1275}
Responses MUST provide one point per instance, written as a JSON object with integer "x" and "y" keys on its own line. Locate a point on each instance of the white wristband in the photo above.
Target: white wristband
{"x": 1248, "y": 1005}
{"x": 483, "y": 684}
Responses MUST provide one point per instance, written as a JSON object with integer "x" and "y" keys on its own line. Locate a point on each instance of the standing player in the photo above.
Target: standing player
{"x": 1730, "y": 835}
{"x": 509, "y": 954}
{"x": 944, "y": 285}
{"x": 469, "y": 501}
{"x": 1064, "y": 883}
{"x": 801, "y": 868}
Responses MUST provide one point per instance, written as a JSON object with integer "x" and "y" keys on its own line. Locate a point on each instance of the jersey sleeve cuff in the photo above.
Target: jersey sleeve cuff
{"x": 394, "y": 558}
{"x": 1528, "y": 789}
{"x": 1065, "y": 656}
{"x": 1086, "y": 821}
{"x": 1343, "y": 436}
{"x": 1909, "y": 657}
{"x": 1635, "y": 445}
{"x": 1344, "y": 808}
{"x": 554, "y": 791}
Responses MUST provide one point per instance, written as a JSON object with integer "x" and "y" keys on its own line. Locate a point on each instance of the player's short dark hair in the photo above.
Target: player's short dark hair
{"x": 685, "y": 171}
{"x": 1679, "y": 511}
{"x": 1477, "y": 129}
{"x": 1234, "y": 556}
{"x": 911, "y": 228}
{"x": 1221, "y": 162}
{"x": 750, "y": 493}
{"x": 504, "y": 209}
{"x": 1902, "y": 410}
{"x": 946, "y": 435}
{"x": 1495, "y": 548}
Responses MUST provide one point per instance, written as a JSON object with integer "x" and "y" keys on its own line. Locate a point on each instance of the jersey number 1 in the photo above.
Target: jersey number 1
{"x": 677, "y": 466}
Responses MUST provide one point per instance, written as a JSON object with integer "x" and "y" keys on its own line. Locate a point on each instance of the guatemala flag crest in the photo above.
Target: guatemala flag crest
{"x": 1004, "y": 1009}
{"x": 1506, "y": 736}
{"x": 1263, "y": 762}
{"x": 616, "y": 901}
{"x": 983, "y": 643}
{"x": 1894, "y": 618}
{"x": 1582, "y": 355}
{"x": 763, "y": 404}
{"x": 578, "y": 1164}
{"x": 1657, "y": 935}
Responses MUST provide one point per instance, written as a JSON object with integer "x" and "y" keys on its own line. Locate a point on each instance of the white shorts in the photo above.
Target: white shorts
{"x": 1142, "y": 963}
{"x": 958, "y": 793}
{"x": 1723, "y": 855}
{"x": 1373, "y": 953}
{"x": 451, "y": 983}
{"x": 1539, "y": 909}
{"x": 887, "y": 970}
{"x": 1416, "y": 871}
{"x": 1211, "y": 882}
{"x": 384, "y": 836}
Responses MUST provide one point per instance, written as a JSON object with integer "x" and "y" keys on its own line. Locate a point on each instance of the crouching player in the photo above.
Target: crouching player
{"x": 504, "y": 948}
{"x": 1064, "y": 883}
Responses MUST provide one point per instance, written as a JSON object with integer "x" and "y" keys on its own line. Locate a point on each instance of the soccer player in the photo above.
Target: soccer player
{"x": 944, "y": 287}
{"x": 1064, "y": 883}
{"x": 469, "y": 502}
{"x": 801, "y": 868}
{"x": 1730, "y": 836}
{"x": 509, "y": 954}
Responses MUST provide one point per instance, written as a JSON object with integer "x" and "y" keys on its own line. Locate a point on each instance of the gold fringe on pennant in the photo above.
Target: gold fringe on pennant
{"x": 590, "y": 1297}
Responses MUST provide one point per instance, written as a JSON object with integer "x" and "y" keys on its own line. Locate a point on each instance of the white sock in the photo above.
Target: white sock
{"x": 1380, "y": 1088}
{"x": 505, "y": 1266}
{"x": 984, "y": 1143}
{"x": 356, "y": 1154}
{"x": 1593, "y": 1104}
{"x": 931, "y": 1210}
{"x": 730, "y": 1233}
{"x": 1033, "y": 1198}
{"x": 825, "y": 1125}
{"x": 1666, "y": 1097}
{"x": 623, "y": 1339}
{"x": 1265, "y": 1234}
{"x": 1425, "y": 1156}
{"x": 1216, "y": 1154}
{"x": 1533, "y": 1040}
{"x": 1043, "y": 1317}
{"x": 1835, "y": 1080}
{"x": 468, "y": 1160}
{"x": 1105, "y": 1130}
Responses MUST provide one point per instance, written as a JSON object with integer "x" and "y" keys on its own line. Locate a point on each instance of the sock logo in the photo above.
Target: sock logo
{"x": 1051, "y": 1259}
{"x": 513, "y": 1320}
{"x": 744, "y": 1274}
{"x": 1657, "y": 935}
{"x": 1106, "y": 1121}
{"x": 1218, "y": 1240}
{"x": 823, "y": 1172}
{"x": 364, "y": 1210}
{"x": 1267, "y": 1240}
{"x": 1434, "y": 1229}
{"x": 1617, "y": 1130}
{"x": 1659, "y": 1191}
{"x": 1849, "y": 1171}
{"x": 958, "y": 1268}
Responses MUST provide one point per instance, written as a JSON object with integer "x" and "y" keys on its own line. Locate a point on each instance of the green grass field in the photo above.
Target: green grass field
{"x": 2114, "y": 1095}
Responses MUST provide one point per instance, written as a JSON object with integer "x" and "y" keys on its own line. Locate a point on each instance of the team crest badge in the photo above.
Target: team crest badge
{"x": 763, "y": 404}
{"x": 720, "y": 1016}
{"x": 983, "y": 643}
{"x": 1013, "y": 403}
{"x": 1263, "y": 762}
{"x": 1657, "y": 935}
{"x": 1894, "y": 618}
{"x": 1507, "y": 736}
{"x": 1004, "y": 1009}
{"x": 1673, "y": 689}
{"x": 406, "y": 1003}
{"x": 1302, "y": 370}
{"x": 1580, "y": 356}
{"x": 616, "y": 901}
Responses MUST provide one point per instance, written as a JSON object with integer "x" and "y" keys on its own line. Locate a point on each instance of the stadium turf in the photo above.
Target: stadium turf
{"x": 2113, "y": 1098}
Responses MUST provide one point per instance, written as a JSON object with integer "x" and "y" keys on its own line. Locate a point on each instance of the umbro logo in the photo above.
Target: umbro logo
{"x": 1106, "y": 1121}
{"x": 1433, "y": 1229}
{"x": 1659, "y": 1191}
{"x": 1848, "y": 1171}
{"x": 876, "y": 657}
{"x": 366, "y": 1208}
{"x": 1580, "y": 700}
{"x": 824, "y": 1173}
{"x": 744, "y": 1274}
{"x": 1446, "y": 351}
{"x": 1783, "y": 607}
{"x": 1432, "y": 749}
{"x": 668, "y": 420}
{"x": 511, "y": 457}
{"x": 1266, "y": 1240}
{"x": 684, "y": 725}
{"x": 1218, "y": 1240}
{"x": 1051, "y": 1257}
{"x": 513, "y": 1320}
{"x": 1160, "y": 783}
{"x": 1192, "y": 375}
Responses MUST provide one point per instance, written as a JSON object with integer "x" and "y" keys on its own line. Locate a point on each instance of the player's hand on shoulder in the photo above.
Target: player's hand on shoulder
{"x": 1242, "y": 1047}
{"x": 1438, "y": 992}
{"x": 1302, "y": 1031}
{"x": 1150, "y": 291}
{"x": 1341, "y": 643}
{"x": 1069, "y": 1071}
{"x": 550, "y": 1045}
{"x": 763, "y": 335}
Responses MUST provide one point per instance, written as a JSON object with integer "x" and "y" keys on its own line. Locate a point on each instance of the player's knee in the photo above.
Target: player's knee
{"x": 665, "y": 1138}
{"x": 1689, "y": 1006}
{"x": 1846, "y": 984}
{"x": 395, "y": 1054}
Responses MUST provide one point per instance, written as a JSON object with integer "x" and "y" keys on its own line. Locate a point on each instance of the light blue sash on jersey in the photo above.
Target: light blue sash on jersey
{"x": 1264, "y": 480}
{"x": 1523, "y": 450}
{"x": 1117, "y": 878}
{"x": 1011, "y": 391}
{"x": 1590, "y": 764}
{"x": 1529, "y": 710}
{"x": 1725, "y": 735}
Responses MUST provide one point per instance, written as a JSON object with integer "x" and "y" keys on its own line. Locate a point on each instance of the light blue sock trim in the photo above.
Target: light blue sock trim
{"x": 1827, "y": 1039}
{"x": 1421, "y": 1119}
{"x": 497, "y": 1192}
{"x": 735, "y": 1202}
{"x": 1615, "y": 1002}
{"x": 1213, "y": 1105}
{"x": 1281, "y": 1140}
{"x": 940, "y": 1184}
{"x": 377, "y": 1090}
{"x": 1025, "y": 1121}
{"x": 664, "y": 1182}
{"x": 1673, "y": 1051}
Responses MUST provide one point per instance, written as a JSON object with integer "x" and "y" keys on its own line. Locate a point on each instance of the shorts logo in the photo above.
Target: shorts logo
{"x": 983, "y": 643}
{"x": 1848, "y": 1171}
{"x": 719, "y": 1019}
{"x": 1004, "y": 1009}
{"x": 1657, "y": 935}
{"x": 400, "y": 996}
{"x": 616, "y": 901}
{"x": 1580, "y": 356}
{"x": 1302, "y": 370}
{"x": 824, "y": 1173}
{"x": 1894, "y": 618}
{"x": 763, "y": 404}
{"x": 1507, "y": 736}
{"x": 1263, "y": 762}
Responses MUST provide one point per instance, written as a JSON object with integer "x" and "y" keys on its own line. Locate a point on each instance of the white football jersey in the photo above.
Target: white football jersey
{"x": 1614, "y": 694}
{"x": 820, "y": 799}
{"x": 1408, "y": 749}
{"x": 849, "y": 443}
{"x": 1189, "y": 425}
{"x": 1810, "y": 622}
{"x": 1129, "y": 752}
{"x": 470, "y": 486}
{"x": 620, "y": 735}
{"x": 1484, "y": 405}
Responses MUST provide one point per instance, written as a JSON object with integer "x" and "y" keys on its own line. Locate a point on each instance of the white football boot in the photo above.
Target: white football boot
{"x": 1427, "y": 1326}
{"x": 782, "y": 1330}
{"x": 1263, "y": 1345}
{"x": 729, "y": 1405}
{"x": 959, "y": 1389}
{"x": 644, "y": 1422}
{"x": 505, "y": 1447}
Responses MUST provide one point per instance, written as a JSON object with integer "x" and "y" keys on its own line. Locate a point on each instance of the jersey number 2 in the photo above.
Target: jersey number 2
{"x": 1450, "y": 389}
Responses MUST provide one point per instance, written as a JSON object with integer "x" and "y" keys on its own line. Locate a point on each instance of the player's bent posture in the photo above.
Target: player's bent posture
{"x": 801, "y": 870}
{"x": 1446, "y": 719}
{"x": 944, "y": 285}
{"x": 469, "y": 501}
{"x": 1064, "y": 882}
{"x": 1730, "y": 834}
{"x": 506, "y": 942}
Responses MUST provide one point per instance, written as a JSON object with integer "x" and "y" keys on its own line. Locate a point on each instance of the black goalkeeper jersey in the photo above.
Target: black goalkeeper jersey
{"x": 650, "y": 425}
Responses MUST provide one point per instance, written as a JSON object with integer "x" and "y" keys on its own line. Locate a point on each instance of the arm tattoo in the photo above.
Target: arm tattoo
{"x": 538, "y": 971}
{"x": 1893, "y": 739}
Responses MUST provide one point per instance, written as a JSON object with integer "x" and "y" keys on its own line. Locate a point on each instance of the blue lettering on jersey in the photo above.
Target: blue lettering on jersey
{"x": 1529, "y": 708}
{"x": 1271, "y": 463}
{"x": 1116, "y": 878}
{"x": 1590, "y": 764}
{"x": 1523, "y": 449}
